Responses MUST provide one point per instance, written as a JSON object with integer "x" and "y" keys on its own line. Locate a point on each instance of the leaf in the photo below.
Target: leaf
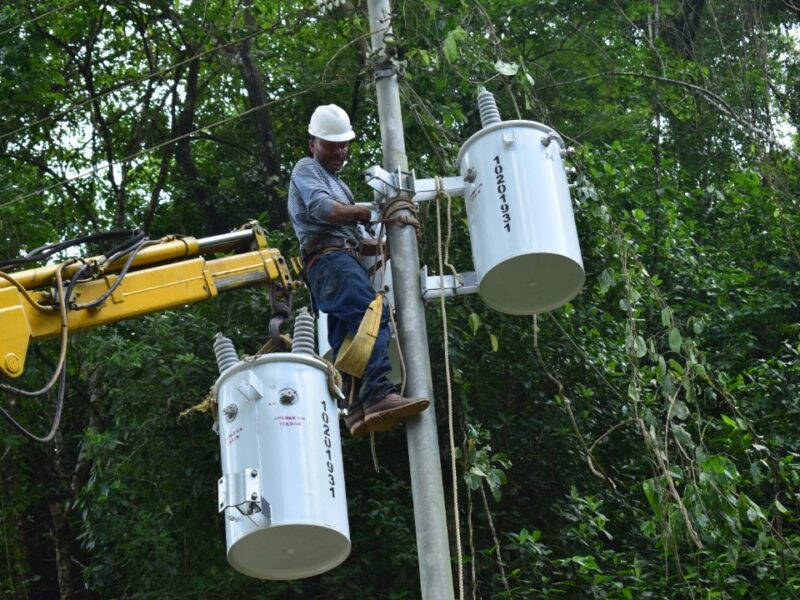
{"x": 662, "y": 366}
{"x": 666, "y": 317}
{"x": 606, "y": 280}
{"x": 781, "y": 508}
{"x": 680, "y": 410}
{"x": 530, "y": 79}
{"x": 505, "y": 68}
{"x": 675, "y": 340}
{"x": 639, "y": 346}
{"x": 676, "y": 366}
{"x": 451, "y": 43}
{"x": 474, "y": 322}
{"x": 495, "y": 342}
{"x": 700, "y": 370}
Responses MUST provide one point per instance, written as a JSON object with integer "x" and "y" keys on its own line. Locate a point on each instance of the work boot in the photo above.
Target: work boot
{"x": 391, "y": 409}
{"x": 355, "y": 420}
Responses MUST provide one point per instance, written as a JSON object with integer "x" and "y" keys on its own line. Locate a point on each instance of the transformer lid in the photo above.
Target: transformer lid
{"x": 509, "y": 125}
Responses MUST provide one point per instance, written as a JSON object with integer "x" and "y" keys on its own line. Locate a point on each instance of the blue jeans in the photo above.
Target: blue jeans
{"x": 341, "y": 288}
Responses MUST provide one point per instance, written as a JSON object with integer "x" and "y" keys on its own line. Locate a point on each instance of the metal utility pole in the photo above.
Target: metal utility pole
{"x": 430, "y": 518}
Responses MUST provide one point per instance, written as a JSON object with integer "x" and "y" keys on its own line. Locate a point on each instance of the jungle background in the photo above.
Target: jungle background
{"x": 639, "y": 442}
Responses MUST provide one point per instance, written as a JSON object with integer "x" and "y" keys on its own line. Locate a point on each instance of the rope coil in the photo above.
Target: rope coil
{"x": 397, "y": 204}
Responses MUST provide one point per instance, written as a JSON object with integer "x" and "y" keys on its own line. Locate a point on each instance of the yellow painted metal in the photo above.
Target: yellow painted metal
{"x": 168, "y": 249}
{"x": 15, "y": 333}
{"x": 141, "y": 292}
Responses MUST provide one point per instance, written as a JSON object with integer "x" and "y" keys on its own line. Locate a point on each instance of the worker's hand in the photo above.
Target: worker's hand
{"x": 347, "y": 213}
{"x": 365, "y": 216}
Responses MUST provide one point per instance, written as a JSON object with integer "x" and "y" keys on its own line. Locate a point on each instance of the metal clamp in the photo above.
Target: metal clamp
{"x": 242, "y": 490}
{"x": 391, "y": 185}
{"x": 431, "y": 285}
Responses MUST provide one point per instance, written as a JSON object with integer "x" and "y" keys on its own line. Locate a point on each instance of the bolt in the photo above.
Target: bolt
{"x": 288, "y": 396}
{"x": 254, "y": 496}
{"x": 471, "y": 175}
{"x": 230, "y": 412}
{"x": 253, "y": 473}
{"x": 546, "y": 140}
{"x": 13, "y": 364}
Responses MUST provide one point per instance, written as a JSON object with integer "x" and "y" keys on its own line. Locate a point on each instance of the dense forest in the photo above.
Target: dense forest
{"x": 642, "y": 441}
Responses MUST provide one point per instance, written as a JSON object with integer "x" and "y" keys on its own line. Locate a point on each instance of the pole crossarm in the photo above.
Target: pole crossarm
{"x": 398, "y": 182}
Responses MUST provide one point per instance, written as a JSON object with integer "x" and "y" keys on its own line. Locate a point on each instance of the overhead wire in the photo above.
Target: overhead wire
{"x": 131, "y": 82}
{"x": 135, "y": 155}
{"x": 39, "y": 17}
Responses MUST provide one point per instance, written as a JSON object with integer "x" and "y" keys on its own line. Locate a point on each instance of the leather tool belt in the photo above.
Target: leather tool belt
{"x": 323, "y": 244}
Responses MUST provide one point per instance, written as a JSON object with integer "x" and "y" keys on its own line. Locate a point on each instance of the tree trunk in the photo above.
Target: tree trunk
{"x": 262, "y": 125}
{"x": 183, "y": 156}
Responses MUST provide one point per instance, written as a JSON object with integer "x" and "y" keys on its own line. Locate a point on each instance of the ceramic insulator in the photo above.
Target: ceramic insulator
{"x": 303, "y": 340}
{"x": 225, "y": 352}
{"x": 488, "y": 108}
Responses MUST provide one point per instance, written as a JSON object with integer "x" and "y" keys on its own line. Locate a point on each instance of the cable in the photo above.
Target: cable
{"x": 161, "y": 145}
{"x": 42, "y": 16}
{"x": 60, "y": 373}
{"x": 56, "y": 417}
{"x": 131, "y": 248}
{"x": 131, "y": 82}
{"x": 25, "y": 294}
{"x": 46, "y": 251}
{"x": 63, "y": 348}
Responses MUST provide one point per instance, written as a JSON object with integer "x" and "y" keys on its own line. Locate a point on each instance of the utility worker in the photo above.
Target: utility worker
{"x": 325, "y": 217}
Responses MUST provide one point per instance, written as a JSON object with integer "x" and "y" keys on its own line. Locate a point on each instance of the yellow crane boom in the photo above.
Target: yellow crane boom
{"x": 166, "y": 274}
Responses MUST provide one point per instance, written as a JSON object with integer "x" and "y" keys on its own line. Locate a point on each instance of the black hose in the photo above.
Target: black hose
{"x": 48, "y": 250}
{"x": 56, "y": 418}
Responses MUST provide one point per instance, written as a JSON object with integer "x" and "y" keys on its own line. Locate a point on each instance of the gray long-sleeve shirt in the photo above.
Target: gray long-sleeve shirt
{"x": 312, "y": 191}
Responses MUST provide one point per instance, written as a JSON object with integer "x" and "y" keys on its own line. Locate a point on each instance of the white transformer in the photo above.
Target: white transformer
{"x": 524, "y": 241}
{"x": 282, "y": 487}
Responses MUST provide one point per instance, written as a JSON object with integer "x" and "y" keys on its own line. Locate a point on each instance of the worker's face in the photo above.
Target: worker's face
{"x": 330, "y": 154}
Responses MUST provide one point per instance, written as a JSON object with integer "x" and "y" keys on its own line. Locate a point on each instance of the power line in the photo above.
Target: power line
{"x": 129, "y": 83}
{"x": 135, "y": 155}
{"x": 38, "y": 17}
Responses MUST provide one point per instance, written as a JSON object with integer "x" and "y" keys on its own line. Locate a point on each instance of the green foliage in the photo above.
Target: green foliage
{"x": 639, "y": 442}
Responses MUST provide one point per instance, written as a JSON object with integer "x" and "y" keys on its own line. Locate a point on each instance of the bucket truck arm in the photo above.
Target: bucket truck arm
{"x": 164, "y": 274}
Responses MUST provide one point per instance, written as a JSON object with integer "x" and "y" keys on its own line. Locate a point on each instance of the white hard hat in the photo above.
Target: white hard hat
{"x": 331, "y": 123}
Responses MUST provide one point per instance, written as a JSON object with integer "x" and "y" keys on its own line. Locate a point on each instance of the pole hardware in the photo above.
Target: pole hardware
{"x": 461, "y": 285}
{"x": 391, "y": 185}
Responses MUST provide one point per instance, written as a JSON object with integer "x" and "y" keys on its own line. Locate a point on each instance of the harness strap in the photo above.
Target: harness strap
{"x": 355, "y": 351}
